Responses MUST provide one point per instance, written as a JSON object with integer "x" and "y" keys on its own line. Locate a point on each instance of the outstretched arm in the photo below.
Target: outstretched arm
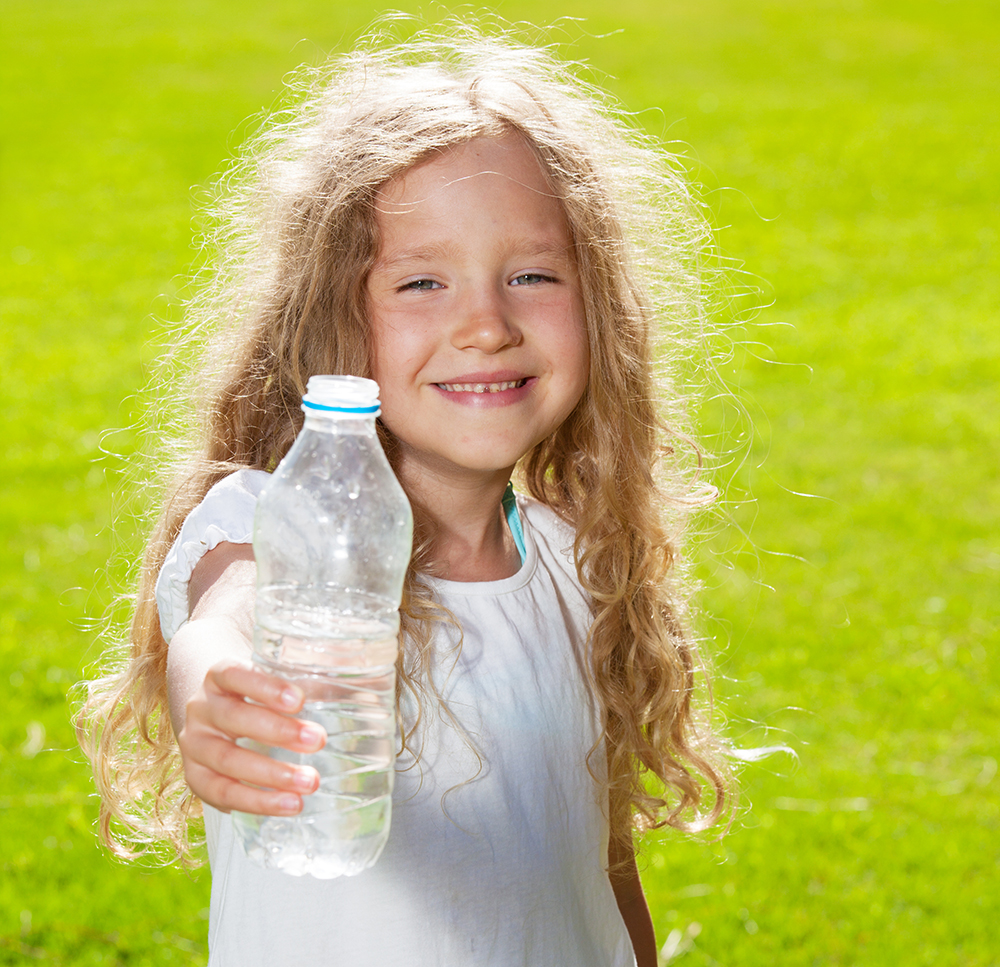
{"x": 216, "y": 696}
{"x": 632, "y": 902}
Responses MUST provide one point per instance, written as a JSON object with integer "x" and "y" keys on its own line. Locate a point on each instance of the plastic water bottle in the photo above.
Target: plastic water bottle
{"x": 332, "y": 540}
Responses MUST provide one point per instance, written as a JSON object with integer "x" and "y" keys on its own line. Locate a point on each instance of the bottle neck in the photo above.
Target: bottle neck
{"x": 346, "y": 423}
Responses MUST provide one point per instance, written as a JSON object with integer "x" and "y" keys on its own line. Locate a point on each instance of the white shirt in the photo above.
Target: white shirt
{"x": 497, "y": 855}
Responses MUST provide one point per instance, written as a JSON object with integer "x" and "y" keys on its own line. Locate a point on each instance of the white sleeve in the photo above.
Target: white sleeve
{"x": 225, "y": 514}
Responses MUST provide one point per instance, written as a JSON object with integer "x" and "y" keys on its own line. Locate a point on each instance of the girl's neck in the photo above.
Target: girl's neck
{"x": 464, "y": 522}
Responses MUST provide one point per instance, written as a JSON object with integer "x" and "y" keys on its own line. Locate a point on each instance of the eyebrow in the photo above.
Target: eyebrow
{"x": 429, "y": 253}
{"x": 524, "y": 249}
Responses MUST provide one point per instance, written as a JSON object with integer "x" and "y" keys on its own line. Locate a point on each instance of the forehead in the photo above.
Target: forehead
{"x": 498, "y": 176}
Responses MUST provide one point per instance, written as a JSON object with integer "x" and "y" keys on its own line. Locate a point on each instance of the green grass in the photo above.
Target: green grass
{"x": 850, "y": 152}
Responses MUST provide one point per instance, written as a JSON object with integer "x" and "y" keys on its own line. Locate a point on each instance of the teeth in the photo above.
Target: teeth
{"x": 481, "y": 387}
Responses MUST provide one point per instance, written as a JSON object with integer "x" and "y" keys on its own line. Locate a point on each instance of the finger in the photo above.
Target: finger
{"x": 227, "y": 794}
{"x": 257, "y": 685}
{"x": 225, "y": 758}
{"x": 232, "y": 716}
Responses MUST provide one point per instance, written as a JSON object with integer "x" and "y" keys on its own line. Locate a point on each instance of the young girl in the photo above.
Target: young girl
{"x": 468, "y": 224}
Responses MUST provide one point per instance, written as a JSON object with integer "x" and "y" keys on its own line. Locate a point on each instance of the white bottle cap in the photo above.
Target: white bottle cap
{"x": 342, "y": 394}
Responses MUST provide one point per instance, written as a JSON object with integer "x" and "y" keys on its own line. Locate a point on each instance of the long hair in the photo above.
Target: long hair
{"x": 295, "y": 240}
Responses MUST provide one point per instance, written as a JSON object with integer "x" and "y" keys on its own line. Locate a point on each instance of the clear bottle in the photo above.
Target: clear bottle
{"x": 332, "y": 541}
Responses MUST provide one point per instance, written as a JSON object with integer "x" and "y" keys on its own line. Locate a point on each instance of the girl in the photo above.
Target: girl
{"x": 471, "y": 226}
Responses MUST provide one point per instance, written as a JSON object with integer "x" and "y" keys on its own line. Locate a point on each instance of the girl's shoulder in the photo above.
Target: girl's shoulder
{"x": 554, "y": 536}
{"x": 225, "y": 515}
{"x": 544, "y": 520}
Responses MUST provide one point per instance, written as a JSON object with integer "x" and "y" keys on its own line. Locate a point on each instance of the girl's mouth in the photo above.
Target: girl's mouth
{"x": 482, "y": 387}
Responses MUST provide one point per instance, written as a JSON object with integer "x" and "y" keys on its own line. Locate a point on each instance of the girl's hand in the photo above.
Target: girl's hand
{"x": 227, "y": 776}
{"x": 217, "y": 697}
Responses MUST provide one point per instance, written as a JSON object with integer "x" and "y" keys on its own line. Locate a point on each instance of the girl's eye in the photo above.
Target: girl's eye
{"x": 530, "y": 278}
{"x": 422, "y": 285}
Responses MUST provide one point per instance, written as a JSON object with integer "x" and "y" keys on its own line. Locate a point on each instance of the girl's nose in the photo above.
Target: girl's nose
{"x": 484, "y": 324}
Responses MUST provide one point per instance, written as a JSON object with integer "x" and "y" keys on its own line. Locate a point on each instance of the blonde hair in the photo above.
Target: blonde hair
{"x": 287, "y": 299}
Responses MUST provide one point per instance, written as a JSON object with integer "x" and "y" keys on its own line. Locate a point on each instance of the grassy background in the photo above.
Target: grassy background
{"x": 850, "y": 150}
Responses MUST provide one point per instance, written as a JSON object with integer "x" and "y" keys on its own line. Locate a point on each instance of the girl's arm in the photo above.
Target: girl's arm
{"x": 632, "y": 902}
{"x": 210, "y": 680}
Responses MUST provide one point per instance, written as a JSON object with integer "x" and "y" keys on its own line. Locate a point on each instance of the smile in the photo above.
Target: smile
{"x": 481, "y": 387}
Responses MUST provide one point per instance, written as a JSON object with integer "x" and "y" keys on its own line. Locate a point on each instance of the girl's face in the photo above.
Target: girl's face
{"x": 480, "y": 345}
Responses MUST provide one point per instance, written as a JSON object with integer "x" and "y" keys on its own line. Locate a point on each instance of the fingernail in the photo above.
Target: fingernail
{"x": 290, "y": 697}
{"x": 289, "y": 804}
{"x": 304, "y": 779}
{"x": 310, "y": 734}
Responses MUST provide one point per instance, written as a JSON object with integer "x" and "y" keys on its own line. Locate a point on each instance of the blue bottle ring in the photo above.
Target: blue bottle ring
{"x": 361, "y": 410}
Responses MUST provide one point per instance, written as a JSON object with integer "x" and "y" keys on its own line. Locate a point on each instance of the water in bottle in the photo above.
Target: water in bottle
{"x": 332, "y": 540}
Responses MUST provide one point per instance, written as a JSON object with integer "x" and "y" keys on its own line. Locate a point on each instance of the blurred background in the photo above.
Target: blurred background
{"x": 849, "y": 153}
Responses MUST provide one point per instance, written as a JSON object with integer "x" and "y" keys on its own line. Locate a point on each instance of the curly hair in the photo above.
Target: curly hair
{"x": 295, "y": 240}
